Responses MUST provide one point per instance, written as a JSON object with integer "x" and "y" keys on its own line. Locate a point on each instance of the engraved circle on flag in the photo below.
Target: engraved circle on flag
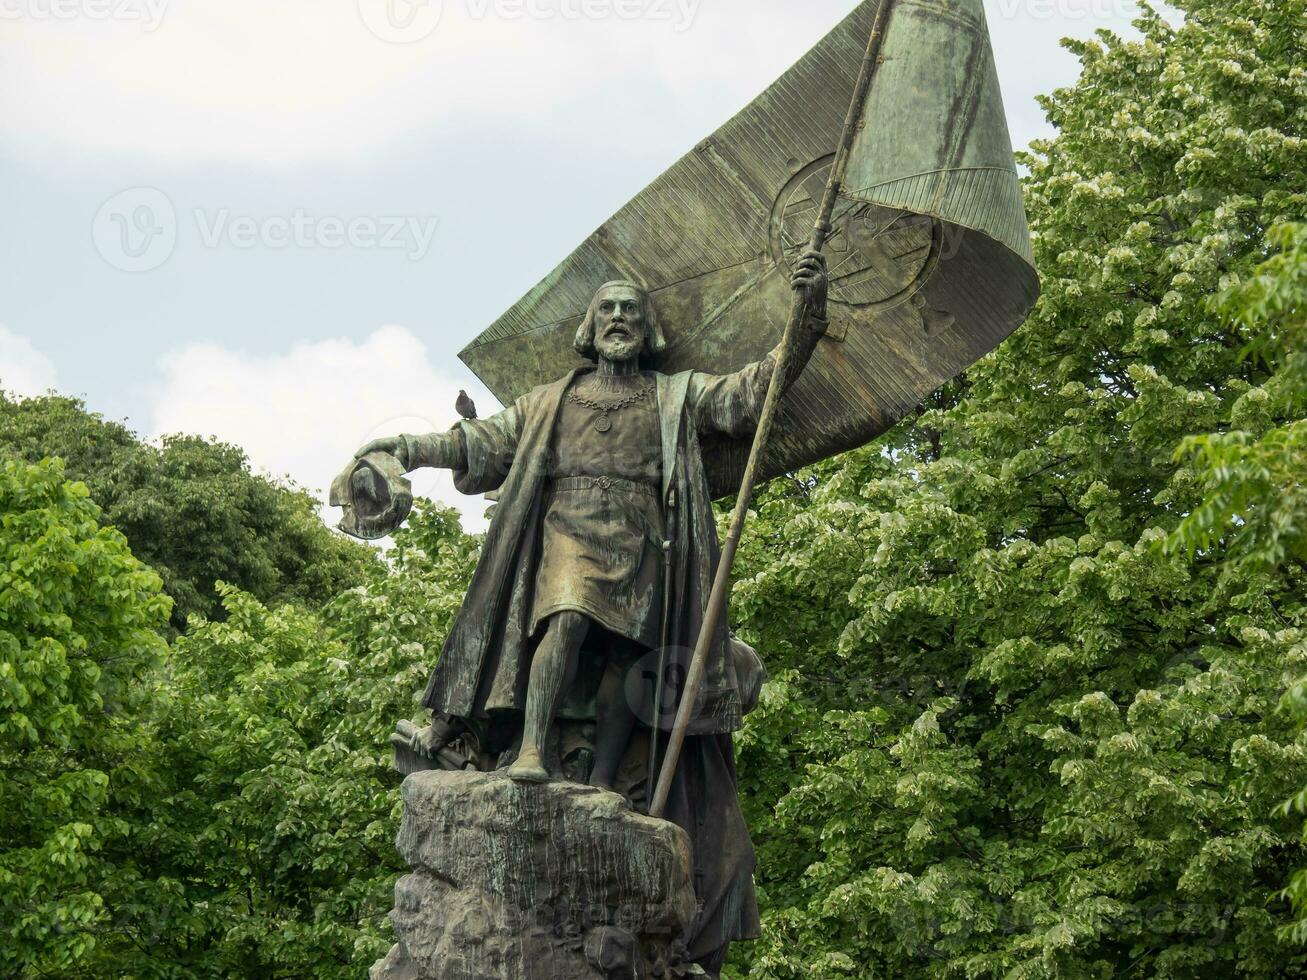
{"x": 876, "y": 256}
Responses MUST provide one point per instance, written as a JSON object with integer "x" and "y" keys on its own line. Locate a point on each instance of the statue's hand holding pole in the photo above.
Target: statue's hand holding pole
{"x": 809, "y": 287}
{"x": 811, "y": 281}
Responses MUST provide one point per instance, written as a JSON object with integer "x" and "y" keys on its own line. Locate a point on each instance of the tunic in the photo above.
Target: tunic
{"x": 602, "y": 531}
{"x": 482, "y": 672}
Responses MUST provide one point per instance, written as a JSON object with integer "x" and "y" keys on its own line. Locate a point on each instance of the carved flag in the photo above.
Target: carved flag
{"x": 930, "y": 255}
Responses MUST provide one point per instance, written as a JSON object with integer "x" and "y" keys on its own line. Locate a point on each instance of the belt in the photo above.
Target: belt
{"x": 601, "y": 483}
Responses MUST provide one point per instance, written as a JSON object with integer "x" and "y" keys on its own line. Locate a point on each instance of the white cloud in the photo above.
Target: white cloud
{"x": 296, "y": 81}
{"x": 303, "y": 413}
{"x": 24, "y": 370}
{"x": 259, "y": 82}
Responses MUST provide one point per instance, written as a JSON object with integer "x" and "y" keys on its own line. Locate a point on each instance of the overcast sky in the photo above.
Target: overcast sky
{"x": 359, "y": 187}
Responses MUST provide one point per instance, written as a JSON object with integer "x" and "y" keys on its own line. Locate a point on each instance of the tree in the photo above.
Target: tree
{"x": 1027, "y": 652}
{"x": 192, "y": 509}
{"x": 79, "y": 621}
{"x": 1010, "y": 733}
{"x": 268, "y": 849}
{"x": 1254, "y": 510}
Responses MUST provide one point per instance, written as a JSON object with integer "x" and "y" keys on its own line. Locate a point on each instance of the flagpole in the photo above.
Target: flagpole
{"x": 798, "y": 309}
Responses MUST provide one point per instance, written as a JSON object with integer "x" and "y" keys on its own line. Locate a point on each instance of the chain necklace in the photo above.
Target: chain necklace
{"x": 603, "y": 423}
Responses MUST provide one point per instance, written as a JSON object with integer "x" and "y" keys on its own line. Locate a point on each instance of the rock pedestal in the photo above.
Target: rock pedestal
{"x": 519, "y": 881}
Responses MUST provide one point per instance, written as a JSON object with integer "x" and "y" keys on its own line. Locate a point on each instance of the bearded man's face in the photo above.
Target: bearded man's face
{"x": 620, "y": 328}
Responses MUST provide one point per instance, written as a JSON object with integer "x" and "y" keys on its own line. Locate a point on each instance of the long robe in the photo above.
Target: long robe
{"x": 483, "y": 671}
{"x": 487, "y": 656}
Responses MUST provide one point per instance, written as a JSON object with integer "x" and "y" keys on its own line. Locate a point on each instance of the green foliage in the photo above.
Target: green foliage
{"x": 1254, "y": 478}
{"x": 1012, "y": 734}
{"x": 269, "y": 849}
{"x": 191, "y": 509}
{"x": 1254, "y": 507}
{"x": 1295, "y": 702}
{"x": 1029, "y": 653}
{"x": 1255, "y": 504}
{"x": 78, "y": 639}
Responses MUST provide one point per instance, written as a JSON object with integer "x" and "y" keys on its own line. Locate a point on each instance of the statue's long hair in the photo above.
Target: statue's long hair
{"x": 654, "y": 340}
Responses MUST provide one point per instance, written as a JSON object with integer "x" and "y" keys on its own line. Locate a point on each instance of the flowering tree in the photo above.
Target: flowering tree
{"x": 1028, "y": 651}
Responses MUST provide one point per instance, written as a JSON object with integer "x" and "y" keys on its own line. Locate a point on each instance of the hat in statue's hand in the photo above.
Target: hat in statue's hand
{"x": 375, "y": 494}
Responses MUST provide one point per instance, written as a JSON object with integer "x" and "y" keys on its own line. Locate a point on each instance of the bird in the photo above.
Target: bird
{"x": 465, "y": 406}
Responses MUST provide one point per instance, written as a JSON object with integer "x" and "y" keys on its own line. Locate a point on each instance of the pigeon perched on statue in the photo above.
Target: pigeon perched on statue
{"x": 465, "y": 406}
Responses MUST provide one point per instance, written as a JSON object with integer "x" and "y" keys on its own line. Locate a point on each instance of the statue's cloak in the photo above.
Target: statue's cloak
{"x": 486, "y": 660}
{"x": 483, "y": 671}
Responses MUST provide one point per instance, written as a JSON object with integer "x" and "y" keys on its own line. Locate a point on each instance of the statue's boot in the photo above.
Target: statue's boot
{"x": 529, "y": 768}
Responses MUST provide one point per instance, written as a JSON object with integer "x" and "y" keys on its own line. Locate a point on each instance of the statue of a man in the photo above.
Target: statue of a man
{"x": 604, "y": 504}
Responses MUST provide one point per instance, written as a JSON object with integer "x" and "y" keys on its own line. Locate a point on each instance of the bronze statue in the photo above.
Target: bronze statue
{"x": 602, "y": 558}
{"x": 604, "y": 543}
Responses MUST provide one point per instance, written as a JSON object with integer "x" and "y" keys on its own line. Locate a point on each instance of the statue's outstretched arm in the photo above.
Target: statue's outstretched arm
{"x": 478, "y": 451}
{"x": 732, "y": 403}
{"x": 436, "y": 450}
{"x": 810, "y": 332}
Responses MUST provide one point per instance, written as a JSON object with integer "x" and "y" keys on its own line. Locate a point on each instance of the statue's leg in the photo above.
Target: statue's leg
{"x": 615, "y": 718}
{"x": 552, "y": 671}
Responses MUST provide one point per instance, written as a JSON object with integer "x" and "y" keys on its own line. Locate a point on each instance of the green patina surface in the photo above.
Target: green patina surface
{"x": 930, "y": 257}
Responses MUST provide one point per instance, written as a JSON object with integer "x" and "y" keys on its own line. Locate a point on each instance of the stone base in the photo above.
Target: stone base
{"x": 519, "y": 881}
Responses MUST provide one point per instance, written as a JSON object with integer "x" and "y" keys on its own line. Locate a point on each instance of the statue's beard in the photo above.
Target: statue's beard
{"x": 620, "y": 351}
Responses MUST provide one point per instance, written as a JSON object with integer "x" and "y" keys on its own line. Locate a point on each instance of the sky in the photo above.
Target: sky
{"x": 276, "y": 222}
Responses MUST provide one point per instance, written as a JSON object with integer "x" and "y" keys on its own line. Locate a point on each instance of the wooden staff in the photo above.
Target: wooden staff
{"x": 798, "y": 310}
